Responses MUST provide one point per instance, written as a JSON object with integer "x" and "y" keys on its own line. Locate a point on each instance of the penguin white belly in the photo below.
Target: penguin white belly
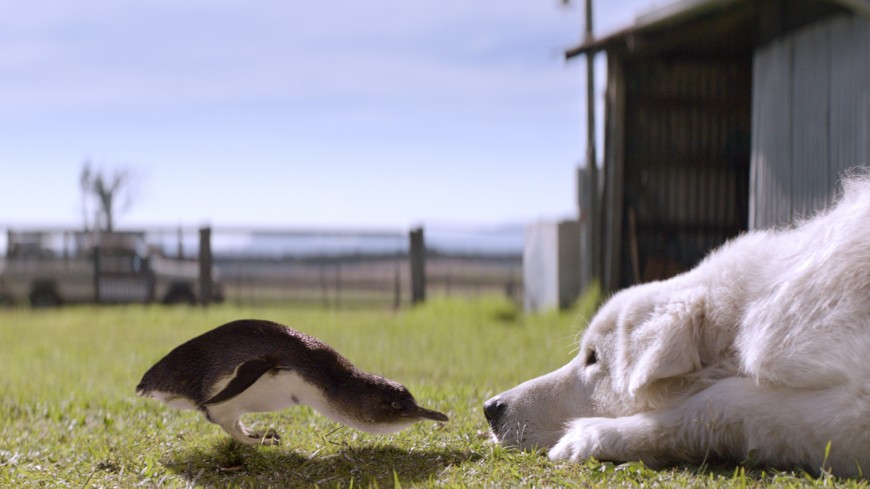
{"x": 273, "y": 391}
{"x": 280, "y": 389}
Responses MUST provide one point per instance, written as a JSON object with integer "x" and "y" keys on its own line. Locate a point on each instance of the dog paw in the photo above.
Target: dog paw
{"x": 585, "y": 438}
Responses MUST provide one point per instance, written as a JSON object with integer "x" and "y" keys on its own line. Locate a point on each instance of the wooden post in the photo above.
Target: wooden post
{"x": 417, "y": 254}
{"x": 97, "y": 273}
{"x": 338, "y": 285}
{"x": 66, "y": 246}
{"x": 205, "y": 266}
{"x": 594, "y": 216}
{"x": 611, "y": 211}
{"x": 180, "y": 251}
{"x": 397, "y": 289}
{"x": 324, "y": 286}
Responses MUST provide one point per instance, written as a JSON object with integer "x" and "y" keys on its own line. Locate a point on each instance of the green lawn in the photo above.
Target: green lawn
{"x": 70, "y": 417}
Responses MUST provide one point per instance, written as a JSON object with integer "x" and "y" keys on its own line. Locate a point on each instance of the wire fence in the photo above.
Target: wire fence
{"x": 333, "y": 268}
{"x": 361, "y": 268}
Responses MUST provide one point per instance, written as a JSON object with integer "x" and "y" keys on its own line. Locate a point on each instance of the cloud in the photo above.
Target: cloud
{"x": 300, "y": 110}
{"x": 160, "y": 53}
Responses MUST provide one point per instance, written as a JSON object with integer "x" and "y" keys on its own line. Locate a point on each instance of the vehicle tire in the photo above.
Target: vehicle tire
{"x": 180, "y": 295}
{"x": 44, "y": 296}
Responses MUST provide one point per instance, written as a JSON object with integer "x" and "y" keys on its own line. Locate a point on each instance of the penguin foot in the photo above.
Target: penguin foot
{"x": 241, "y": 434}
{"x": 269, "y": 438}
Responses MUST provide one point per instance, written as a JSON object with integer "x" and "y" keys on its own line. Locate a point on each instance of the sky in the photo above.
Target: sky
{"x": 283, "y": 113}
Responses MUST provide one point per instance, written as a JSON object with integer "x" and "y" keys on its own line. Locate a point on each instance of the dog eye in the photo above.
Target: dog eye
{"x": 591, "y": 357}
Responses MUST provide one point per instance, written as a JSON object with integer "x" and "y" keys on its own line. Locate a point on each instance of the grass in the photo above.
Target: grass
{"x": 70, "y": 417}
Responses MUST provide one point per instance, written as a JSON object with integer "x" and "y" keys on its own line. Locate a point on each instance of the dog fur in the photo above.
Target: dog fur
{"x": 760, "y": 354}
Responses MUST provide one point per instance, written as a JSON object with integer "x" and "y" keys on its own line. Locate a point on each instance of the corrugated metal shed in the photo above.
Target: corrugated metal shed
{"x": 686, "y": 167}
{"x": 701, "y": 138}
{"x": 811, "y": 113}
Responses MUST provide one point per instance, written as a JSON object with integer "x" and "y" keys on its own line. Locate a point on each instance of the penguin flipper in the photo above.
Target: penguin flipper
{"x": 245, "y": 375}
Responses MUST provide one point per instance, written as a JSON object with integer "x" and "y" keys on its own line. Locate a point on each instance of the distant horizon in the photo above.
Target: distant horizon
{"x": 313, "y": 241}
{"x": 455, "y": 226}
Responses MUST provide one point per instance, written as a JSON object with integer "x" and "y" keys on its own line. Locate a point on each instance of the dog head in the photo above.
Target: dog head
{"x": 636, "y": 354}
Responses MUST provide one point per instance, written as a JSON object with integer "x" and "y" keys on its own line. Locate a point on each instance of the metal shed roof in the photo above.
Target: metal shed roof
{"x": 709, "y": 26}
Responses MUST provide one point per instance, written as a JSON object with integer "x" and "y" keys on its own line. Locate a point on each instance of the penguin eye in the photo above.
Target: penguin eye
{"x": 396, "y": 405}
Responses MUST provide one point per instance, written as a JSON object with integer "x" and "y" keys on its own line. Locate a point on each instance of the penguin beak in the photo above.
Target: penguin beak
{"x": 423, "y": 413}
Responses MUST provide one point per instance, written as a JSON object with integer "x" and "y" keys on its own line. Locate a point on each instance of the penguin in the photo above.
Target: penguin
{"x": 249, "y": 365}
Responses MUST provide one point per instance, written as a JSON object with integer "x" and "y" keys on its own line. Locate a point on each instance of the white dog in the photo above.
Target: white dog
{"x": 759, "y": 354}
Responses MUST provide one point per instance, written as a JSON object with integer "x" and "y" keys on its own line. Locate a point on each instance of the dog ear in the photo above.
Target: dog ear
{"x": 665, "y": 344}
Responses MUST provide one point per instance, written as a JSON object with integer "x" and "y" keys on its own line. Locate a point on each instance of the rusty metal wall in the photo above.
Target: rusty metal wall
{"x": 686, "y": 166}
{"x": 811, "y": 118}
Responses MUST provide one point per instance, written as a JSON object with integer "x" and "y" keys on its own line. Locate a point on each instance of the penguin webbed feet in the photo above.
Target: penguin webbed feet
{"x": 241, "y": 434}
{"x": 269, "y": 438}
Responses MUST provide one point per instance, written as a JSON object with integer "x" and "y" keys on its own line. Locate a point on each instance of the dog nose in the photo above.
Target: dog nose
{"x": 493, "y": 409}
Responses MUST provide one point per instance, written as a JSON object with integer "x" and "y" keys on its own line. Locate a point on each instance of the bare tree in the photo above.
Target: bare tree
{"x": 110, "y": 193}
